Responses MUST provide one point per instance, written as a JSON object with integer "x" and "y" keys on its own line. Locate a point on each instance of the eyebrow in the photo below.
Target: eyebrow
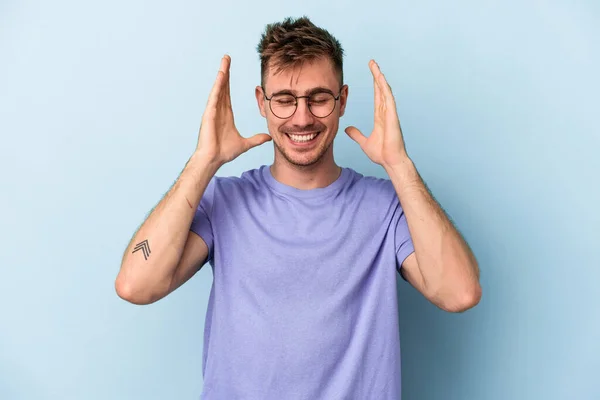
{"x": 318, "y": 89}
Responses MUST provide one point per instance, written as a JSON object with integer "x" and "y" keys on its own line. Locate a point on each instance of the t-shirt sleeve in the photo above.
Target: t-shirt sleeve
{"x": 201, "y": 224}
{"x": 402, "y": 238}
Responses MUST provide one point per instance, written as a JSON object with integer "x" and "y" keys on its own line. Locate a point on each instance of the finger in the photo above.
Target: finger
{"x": 227, "y": 91}
{"x": 356, "y": 135}
{"x": 225, "y": 63}
{"x": 215, "y": 93}
{"x": 257, "y": 140}
{"x": 378, "y": 95}
{"x": 217, "y": 89}
{"x": 386, "y": 89}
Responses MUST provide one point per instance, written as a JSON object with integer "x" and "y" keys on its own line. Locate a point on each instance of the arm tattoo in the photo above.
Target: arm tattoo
{"x": 144, "y": 247}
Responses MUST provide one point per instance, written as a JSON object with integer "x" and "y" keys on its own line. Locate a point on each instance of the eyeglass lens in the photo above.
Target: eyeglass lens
{"x": 320, "y": 104}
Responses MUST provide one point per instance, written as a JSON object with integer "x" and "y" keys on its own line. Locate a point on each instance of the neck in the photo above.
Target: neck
{"x": 318, "y": 175}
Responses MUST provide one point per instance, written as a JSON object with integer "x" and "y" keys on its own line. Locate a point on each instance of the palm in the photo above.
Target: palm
{"x": 219, "y": 138}
{"x": 385, "y": 145}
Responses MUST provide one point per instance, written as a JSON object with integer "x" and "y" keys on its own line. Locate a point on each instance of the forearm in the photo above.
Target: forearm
{"x": 448, "y": 268}
{"x": 160, "y": 240}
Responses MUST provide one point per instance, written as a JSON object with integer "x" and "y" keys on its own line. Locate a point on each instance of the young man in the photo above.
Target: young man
{"x": 304, "y": 253}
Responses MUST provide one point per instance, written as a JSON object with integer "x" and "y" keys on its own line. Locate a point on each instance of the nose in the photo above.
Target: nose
{"x": 302, "y": 116}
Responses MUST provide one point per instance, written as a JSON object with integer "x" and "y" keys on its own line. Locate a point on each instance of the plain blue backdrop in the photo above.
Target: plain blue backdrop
{"x": 100, "y": 104}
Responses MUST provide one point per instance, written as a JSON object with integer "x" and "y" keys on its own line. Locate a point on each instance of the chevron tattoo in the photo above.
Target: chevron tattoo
{"x": 144, "y": 247}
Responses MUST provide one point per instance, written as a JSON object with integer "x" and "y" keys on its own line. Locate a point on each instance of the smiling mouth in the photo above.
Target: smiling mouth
{"x": 303, "y": 138}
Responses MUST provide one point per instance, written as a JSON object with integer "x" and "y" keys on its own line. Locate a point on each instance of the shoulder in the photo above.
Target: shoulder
{"x": 376, "y": 198}
{"x": 372, "y": 186}
{"x": 249, "y": 181}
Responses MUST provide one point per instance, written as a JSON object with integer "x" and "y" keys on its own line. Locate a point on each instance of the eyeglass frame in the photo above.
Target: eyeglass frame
{"x": 307, "y": 97}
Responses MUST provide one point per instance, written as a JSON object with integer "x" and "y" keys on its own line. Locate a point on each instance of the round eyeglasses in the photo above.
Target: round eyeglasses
{"x": 320, "y": 104}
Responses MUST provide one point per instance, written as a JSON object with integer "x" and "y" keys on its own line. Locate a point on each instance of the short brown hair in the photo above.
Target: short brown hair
{"x": 294, "y": 41}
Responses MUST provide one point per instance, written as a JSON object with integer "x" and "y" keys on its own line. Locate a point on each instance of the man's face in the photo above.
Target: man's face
{"x": 303, "y": 138}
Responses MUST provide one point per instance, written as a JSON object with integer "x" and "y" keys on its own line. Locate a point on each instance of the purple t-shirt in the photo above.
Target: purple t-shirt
{"x": 304, "y": 302}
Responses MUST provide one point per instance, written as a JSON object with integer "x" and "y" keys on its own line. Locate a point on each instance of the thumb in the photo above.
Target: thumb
{"x": 356, "y": 135}
{"x": 257, "y": 140}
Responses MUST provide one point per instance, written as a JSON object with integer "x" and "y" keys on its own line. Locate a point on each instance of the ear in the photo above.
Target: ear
{"x": 343, "y": 99}
{"x": 260, "y": 100}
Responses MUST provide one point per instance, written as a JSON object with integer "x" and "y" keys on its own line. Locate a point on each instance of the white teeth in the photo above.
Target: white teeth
{"x": 302, "y": 138}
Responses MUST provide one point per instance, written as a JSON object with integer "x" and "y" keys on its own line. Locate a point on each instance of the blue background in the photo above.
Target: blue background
{"x": 100, "y": 104}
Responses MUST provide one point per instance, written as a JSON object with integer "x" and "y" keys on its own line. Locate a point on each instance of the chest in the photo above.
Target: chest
{"x": 300, "y": 249}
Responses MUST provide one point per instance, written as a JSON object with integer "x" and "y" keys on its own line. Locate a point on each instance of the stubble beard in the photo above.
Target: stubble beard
{"x": 302, "y": 161}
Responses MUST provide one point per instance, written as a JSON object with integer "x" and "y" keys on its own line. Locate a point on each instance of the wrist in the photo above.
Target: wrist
{"x": 201, "y": 162}
{"x": 401, "y": 166}
{"x": 403, "y": 173}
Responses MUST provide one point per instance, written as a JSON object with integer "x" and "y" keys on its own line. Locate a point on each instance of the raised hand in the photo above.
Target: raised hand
{"x": 385, "y": 144}
{"x": 219, "y": 140}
